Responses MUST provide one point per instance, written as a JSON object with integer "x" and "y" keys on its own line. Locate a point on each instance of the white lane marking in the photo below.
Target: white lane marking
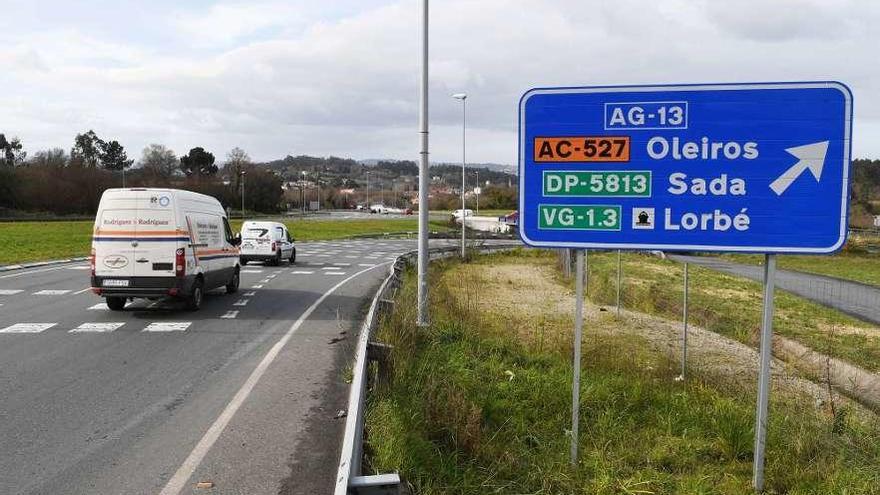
{"x": 51, "y": 292}
{"x": 341, "y": 264}
{"x": 97, "y": 327}
{"x": 84, "y": 267}
{"x": 168, "y": 326}
{"x": 100, "y": 306}
{"x": 265, "y": 281}
{"x": 272, "y": 276}
{"x": 301, "y": 272}
{"x": 249, "y": 294}
{"x": 10, "y": 292}
{"x": 366, "y": 264}
{"x": 27, "y": 327}
{"x": 252, "y": 271}
{"x": 330, "y": 268}
{"x": 31, "y": 272}
{"x": 258, "y": 286}
{"x": 185, "y": 471}
{"x": 230, "y": 315}
{"x": 351, "y": 257}
{"x": 241, "y": 302}
{"x": 81, "y": 291}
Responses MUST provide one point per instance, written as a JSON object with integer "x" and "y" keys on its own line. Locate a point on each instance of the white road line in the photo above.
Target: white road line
{"x": 99, "y": 306}
{"x": 230, "y": 315}
{"x": 81, "y": 291}
{"x": 241, "y": 302}
{"x": 249, "y": 294}
{"x": 97, "y": 327}
{"x": 51, "y": 292}
{"x": 10, "y": 292}
{"x": 265, "y": 281}
{"x": 366, "y": 264}
{"x": 84, "y": 267}
{"x": 27, "y": 327}
{"x": 31, "y": 272}
{"x": 185, "y": 471}
{"x": 330, "y": 268}
{"x": 258, "y": 286}
{"x": 168, "y": 326}
{"x": 252, "y": 271}
{"x": 301, "y": 272}
{"x": 341, "y": 264}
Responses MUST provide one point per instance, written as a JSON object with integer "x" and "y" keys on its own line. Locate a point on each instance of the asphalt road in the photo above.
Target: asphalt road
{"x": 853, "y": 298}
{"x": 243, "y": 393}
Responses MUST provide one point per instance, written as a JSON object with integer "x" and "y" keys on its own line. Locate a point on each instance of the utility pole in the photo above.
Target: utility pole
{"x": 463, "y": 98}
{"x": 423, "y": 178}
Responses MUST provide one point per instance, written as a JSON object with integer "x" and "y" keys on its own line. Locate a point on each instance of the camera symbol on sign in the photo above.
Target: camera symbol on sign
{"x": 643, "y": 218}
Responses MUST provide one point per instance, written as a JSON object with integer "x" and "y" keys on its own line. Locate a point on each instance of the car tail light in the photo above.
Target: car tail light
{"x": 92, "y": 262}
{"x": 180, "y": 263}
{"x": 273, "y": 246}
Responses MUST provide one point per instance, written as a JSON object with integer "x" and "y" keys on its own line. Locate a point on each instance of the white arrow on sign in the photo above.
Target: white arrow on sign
{"x": 810, "y": 156}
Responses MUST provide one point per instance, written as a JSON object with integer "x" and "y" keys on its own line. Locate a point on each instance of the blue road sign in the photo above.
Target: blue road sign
{"x": 716, "y": 167}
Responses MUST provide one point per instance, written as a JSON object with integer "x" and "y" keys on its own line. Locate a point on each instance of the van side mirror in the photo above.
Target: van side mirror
{"x": 236, "y": 241}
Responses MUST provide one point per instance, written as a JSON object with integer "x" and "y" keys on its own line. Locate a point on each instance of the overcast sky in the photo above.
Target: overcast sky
{"x": 341, "y": 76}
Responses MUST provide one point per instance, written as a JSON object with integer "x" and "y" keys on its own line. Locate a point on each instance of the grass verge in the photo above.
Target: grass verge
{"x": 479, "y": 403}
{"x": 36, "y": 241}
{"x": 731, "y": 306}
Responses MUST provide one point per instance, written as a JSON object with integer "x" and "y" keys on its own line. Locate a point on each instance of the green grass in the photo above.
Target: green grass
{"x": 475, "y": 409}
{"x": 36, "y": 241}
{"x": 731, "y": 306}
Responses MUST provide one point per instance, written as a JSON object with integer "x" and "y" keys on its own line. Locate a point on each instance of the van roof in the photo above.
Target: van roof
{"x": 251, "y": 223}
{"x": 176, "y": 193}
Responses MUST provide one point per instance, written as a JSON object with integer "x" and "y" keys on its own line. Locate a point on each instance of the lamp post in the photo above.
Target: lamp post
{"x": 463, "y": 98}
{"x": 242, "y": 173}
{"x": 423, "y": 319}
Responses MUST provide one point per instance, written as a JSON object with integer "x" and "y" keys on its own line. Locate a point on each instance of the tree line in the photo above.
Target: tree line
{"x": 59, "y": 182}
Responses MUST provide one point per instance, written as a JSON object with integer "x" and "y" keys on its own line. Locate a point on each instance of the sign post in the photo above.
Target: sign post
{"x": 576, "y": 365}
{"x": 757, "y": 167}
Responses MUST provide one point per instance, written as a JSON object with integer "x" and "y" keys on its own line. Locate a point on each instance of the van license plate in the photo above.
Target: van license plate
{"x": 115, "y": 283}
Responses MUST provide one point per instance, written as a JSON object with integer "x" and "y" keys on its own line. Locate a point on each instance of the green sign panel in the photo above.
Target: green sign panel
{"x": 579, "y": 217}
{"x": 597, "y": 183}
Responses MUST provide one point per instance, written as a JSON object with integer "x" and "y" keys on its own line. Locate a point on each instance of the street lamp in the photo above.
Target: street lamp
{"x": 463, "y": 98}
{"x": 303, "y": 191}
{"x": 242, "y": 173}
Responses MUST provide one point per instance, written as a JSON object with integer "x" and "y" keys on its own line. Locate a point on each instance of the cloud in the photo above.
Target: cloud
{"x": 301, "y": 77}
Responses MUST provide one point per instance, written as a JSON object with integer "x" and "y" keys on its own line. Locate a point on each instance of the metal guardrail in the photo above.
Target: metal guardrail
{"x": 349, "y": 477}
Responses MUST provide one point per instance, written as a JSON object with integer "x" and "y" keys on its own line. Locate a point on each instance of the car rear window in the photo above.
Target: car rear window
{"x": 254, "y": 233}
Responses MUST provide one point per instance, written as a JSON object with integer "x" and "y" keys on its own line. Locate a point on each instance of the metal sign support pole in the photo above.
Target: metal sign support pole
{"x": 764, "y": 374}
{"x": 576, "y": 365}
{"x": 618, "y": 283}
{"x": 423, "y": 178}
{"x": 684, "y": 331}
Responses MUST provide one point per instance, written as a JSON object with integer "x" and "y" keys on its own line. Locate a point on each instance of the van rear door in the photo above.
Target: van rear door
{"x": 113, "y": 240}
{"x": 157, "y": 235}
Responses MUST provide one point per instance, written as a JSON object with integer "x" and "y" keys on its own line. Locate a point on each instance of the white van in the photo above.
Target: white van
{"x": 154, "y": 243}
{"x": 266, "y": 241}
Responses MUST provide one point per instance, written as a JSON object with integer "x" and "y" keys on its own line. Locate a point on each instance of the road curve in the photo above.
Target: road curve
{"x": 859, "y": 300}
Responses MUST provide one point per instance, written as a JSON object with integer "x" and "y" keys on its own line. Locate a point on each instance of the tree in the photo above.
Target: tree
{"x": 159, "y": 162}
{"x": 113, "y": 157}
{"x": 236, "y": 161}
{"x": 12, "y": 151}
{"x": 262, "y": 189}
{"x": 86, "y": 149}
{"x": 55, "y": 157}
{"x": 198, "y": 163}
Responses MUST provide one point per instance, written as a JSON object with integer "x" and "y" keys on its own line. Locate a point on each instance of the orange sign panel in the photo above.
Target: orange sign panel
{"x": 582, "y": 149}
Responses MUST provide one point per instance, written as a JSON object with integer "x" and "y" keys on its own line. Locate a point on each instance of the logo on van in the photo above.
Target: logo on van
{"x": 115, "y": 261}
{"x": 164, "y": 201}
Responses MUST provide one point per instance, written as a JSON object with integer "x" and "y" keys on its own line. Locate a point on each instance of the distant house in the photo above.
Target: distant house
{"x": 876, "y": 220}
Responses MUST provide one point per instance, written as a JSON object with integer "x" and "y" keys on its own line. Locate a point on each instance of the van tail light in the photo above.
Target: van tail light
{"x": 273, "y": 246}
{"x": 92, "y": 262}
{"x": 179, "y": 262}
